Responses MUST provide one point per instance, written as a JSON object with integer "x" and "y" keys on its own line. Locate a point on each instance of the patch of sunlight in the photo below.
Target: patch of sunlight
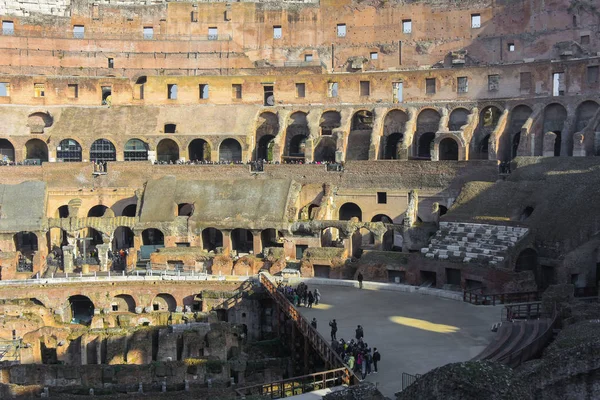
{"x": 322, "y": 306}
{"x": 424, "y": 325}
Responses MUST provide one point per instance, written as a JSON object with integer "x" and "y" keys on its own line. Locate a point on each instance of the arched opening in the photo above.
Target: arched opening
{"x": 448, "y": 149}
{"x": 122, "y": 240}
{"x": 68, "y": 150}
{"x": 330, "y": 237}
{"x": 506, "y": 146}
{"x": 129, "y": 210}
{"x": 26, "y": 243}
{"x": 271, "y": 238}
{"x": 443, "y": 210}
{"x": 63, "y": 211}
{"x": 330, "y": 120}
{"x": 103, "y": 150}
{"x": 97, "y": 211}
{"x": 515, "y": 144}
{"x": 359, "y": 139}
{"x": 585, "y": 113}
{"x": 382, "y": 218}
{"x": 528, "y": 261}
{"x": 557, "y": 143}
{"x": 212, "y": 239}
{"x": 484, "y": 148}
{"x": 230, "y": 151}
{"x": 136, "y": 150}
{"x": 153, "y": 237}
{"x": 167, "y": 151}
{"x": 38, "y": 121}
{"x": 94, "y": 237}
{"x": 264, "y": 151}
{"x": 393, "y": 146}
{"x": 458, "y": 118}
{"x": 164, "y": 302}
{"x": 266, "y": 131}
{"x": 123, "y": 303}
{"x": 392, "y": 240}
{"x": 56, "y": 238}
{"x": 7, "y": 151}
{"x": 36, "y": 151}
{"x": 242, "y": 240}
{"x": 82, "y": 310}
{"x": 425, "y": 145}
{"x": 185, "y": 210}
{"x": 526, "y": 213}
{"x": 106, "y": 95}
{"x": 295, "y": 137}
{"x": 325, "y": 150}
{"x": 555, "y": 116}
{"x": 199, "y": 150}
{"x": 489, "y": 117}
{"x": 349, "y": 211}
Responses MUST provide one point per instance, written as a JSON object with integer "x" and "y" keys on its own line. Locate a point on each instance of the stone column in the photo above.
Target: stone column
{"x": 226, "y": 241}
{"x": 103, "y": 256}
{"x": 256, "y": 242}
{"x": 68, "y": 254}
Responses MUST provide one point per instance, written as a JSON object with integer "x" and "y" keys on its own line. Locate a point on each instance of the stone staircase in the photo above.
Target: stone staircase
{"x": 469, "y": 242}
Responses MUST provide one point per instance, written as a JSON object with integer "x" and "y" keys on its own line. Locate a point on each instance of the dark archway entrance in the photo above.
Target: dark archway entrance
{"x": 82, "y": 310}
{"x": 199, "y": 150}
{"x": 448, "y": 149}
{"x": 424, "y": 146}
{"x": 211, "y": 239}
{"x": 230, "y": 150}
{"x": 167, "y": 151}
{"x": 136, "y": 150}
{"x": 36, "y": 151}
{"x": 153, "y": 237}
{"x": 242, "y": 240}
{"x": 393, "y": 144}
{"x": 7, "y": 151}
{"x": 349, "y": 211}
{"x": 265, "y": 148}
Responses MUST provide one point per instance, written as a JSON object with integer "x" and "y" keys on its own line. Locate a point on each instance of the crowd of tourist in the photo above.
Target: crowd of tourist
{"x": 24, "y": 162}
{"x": 300, "y": 296}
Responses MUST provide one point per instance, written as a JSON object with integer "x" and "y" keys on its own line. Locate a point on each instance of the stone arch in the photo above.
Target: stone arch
{"x": 135, "y": 150}
{"x": 36, "y": 151}
{"x": 584, "y": 114}
{"x": 325, "y": 149}
{"x": 458, "y": 118}
{"x": 212, "y": 238}
{"x": 267, "y": 125}
{"x": 103, "y": 150}
{"x": 153, "y": 237}
{"x": 7, "y": 151}
{"x": 424, "y": 145}
{"x": 555, "y": 115}
{"x": 382, "y": 218}
{"x": 199, "y": 150}
{"x": 329, "y": 121}
{"x": 508, "y": 146}
{"x": 330, "y": 237}
{"x": 242, "y": 240}
{"x": 230, "y": 150}
{"x": 123, "y": 238}
{"x": 123, "y": 303}
{"x": 448, "y": 149}
{"x": 129, "y": 210}
{"x": 296, "y": 134}
{"x": 97, "y": 211}
{"x": 56, "y": 238}
{"x": 480, "y": 142}
{"x": 167, "y": 151}
{"x": 69, "y": 150}
{"x": 271, "y": 238}
{"x": 164, "y": 302}
{"x": 392, "y": 240}
{"x": 349, "y": 211}
{"x": 62, "y": 212}
{"x": 359, "y": 138}
{"x": 38, "y": 121}
{"x": 392, "y": 143}
{"x": 81, "y": 309}
{"x": 428, "y": 122}
{"x": 26, "y": 243}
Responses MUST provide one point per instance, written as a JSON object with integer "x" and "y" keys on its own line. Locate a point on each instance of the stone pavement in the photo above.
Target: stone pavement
{"x": 413, "y": 332}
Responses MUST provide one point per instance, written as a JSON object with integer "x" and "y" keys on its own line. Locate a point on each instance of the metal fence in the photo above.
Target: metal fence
{"x": 408, "y": 379}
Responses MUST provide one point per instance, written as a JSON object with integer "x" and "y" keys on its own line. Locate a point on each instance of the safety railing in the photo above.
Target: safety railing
{"x": 531, "y": 349}
{"x": 408, "y": 379}
{"x": 246, "y": 289}
{"x": 511, "y": 312}
{"x": 318, "y": 342}
{"x": 499, "y": 298}
{"x": 297, "y": 385}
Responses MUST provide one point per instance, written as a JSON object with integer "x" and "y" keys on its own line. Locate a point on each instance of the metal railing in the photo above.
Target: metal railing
{"x": 511, "y": 312}
{"x": 408, "y": 379}
{"x": 9, "y": 350}
{"x": 531, "y": 349}
{"x": 318, "y": 342}
{"x": 297, "y": 385}
{"x": 470, "y": 296}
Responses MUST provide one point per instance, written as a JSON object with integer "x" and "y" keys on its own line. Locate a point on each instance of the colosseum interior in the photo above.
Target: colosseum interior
{"x": 167, "y": 166}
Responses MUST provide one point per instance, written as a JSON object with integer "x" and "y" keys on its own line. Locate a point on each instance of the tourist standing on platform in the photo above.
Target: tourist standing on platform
{"x": 360, "y": 280}
{"x": 376, "y": 358}
{"x": 311, "y": 299}
{"x": 317, "y": 297}
{"x": 333, "y": 325}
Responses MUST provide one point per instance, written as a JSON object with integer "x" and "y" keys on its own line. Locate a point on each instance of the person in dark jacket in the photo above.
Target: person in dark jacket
{"x": 313, "y": 323}
{"x": 333, "y": 325}
{"x": 359, "y": 333}
{"x": 360, "y": 280}
{"x": 376, "y": 358}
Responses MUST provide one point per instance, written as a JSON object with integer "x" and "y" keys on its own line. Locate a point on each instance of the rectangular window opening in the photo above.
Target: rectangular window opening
{"x": 236, "y": 90}
{"x": 213, "y": 33}
{"x": 194, "y": 16}
{"x": 374, "y": 55}
{"x": 593, "y": 73}
{"x": 269, "y": 96}
{"x": 585, "y": 39}
{"x": 493, "y": 83}
{"x": 462, "y": 84}
{"x": 148, "y": 32}
{"x": 8, "y": 28}
{"x": 300, "y": 90}
{"x": 111, "y": 63}
{"x": 277, "y": 32}
{"x": 397, "y": 89}
{"x": 308, "y": 57}
{"x": 365, "y": 88}
{"x": 341, "y": 30}
{"x": 406, "y": 26}
{"x": 511, "y": 47}
{"x": 430, "y": 85}
{"x": 4, "y": 89}
{"x": 332, "y": 89}
{"x": 558, "y": 84}
{"x": 106, "y": 95}
{"x": 73, "y": 91}
{"x": 78, "y": 31}
{"x": 39, "y": 89}
{"x": 203, "y": 91}
{"x": 172, "y": 91}
{"x": 381, "y": 197}
{"x": 475, "y": 21}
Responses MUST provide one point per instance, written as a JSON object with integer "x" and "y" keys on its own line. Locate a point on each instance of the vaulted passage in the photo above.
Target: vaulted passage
{"x": 349, "y": 211}
{"x": 36, "y": 151}
{"x": 167, "y": 151}
{"x": 448, "y": 149}
{"x": 295, "y": 138}
{"x": 359, "y": 138}
{"x": 82, "y": 310}
{"x": 199, "y": 150}
{"x": 230, "y": 150}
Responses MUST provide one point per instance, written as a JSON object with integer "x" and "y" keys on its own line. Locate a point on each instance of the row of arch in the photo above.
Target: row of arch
{"x": 103, "y": 150}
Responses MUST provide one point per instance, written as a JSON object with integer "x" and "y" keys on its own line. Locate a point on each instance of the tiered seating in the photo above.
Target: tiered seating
{"x": 468, "y": 242}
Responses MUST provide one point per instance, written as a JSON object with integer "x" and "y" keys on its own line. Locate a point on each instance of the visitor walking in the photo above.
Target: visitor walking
{"x": 360, "y": 280}
{"x": 311, "y": 299}
{"x": 317, "y": 297}
{"x": 376, "y": 358}
{"x": 359, "y": 333}
{"x": 313, "y": 323}
{"x": 333, "y": 325}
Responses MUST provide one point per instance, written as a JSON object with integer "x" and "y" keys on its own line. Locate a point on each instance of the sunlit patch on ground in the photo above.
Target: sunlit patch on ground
{"x": 424, "y": 325}
{"x": 322, "y": 306}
